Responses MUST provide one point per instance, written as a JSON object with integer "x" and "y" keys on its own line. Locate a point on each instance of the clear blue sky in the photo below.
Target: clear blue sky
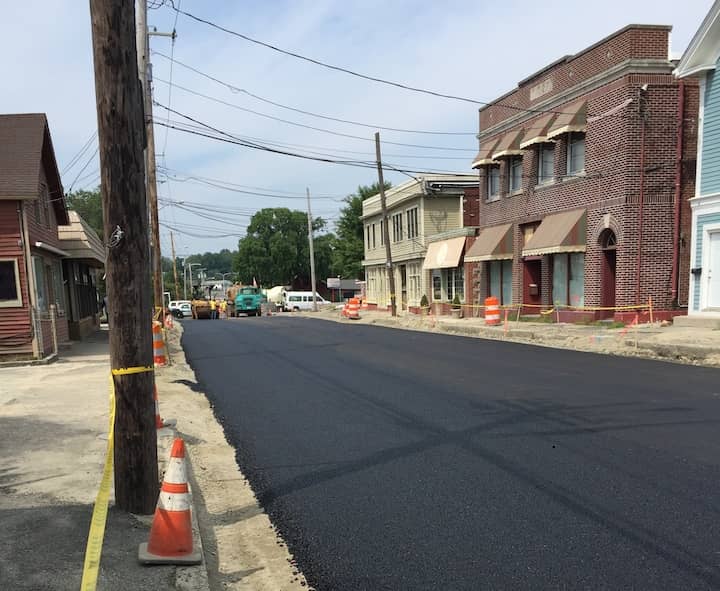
{"x": 473, "y": 49}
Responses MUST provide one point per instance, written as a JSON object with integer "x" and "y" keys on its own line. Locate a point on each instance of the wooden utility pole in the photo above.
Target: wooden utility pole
{"x": 312, "y": 251}
{"x": 386, "y": 227}
{"x": 172, "y": 247}
{"x": 121, "y": 134}
{"x": 143, "y": 52}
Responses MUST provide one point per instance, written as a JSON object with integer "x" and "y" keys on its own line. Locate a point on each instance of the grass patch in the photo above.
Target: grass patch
{"x": 544, "y": 319}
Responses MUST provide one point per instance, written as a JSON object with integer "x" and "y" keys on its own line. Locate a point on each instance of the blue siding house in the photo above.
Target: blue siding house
{"x": 701, "y": 60}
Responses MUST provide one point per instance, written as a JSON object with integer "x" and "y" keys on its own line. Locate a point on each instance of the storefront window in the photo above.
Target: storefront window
{"x": 577, "y": 279}
{"x": 569, "y": 279}
{"x": 500, "y": 280}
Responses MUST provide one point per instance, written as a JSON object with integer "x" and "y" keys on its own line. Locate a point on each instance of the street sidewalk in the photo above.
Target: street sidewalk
{"x": 683, "y": 344}
{"x": 53, "y": 438}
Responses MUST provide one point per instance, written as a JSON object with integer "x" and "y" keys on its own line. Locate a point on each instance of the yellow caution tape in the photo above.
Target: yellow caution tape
{"x": 91, "y": 567}
{"x": 126, "y": 371}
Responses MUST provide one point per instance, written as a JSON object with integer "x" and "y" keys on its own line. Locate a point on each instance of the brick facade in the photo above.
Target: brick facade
{"x": 628, "y": 185}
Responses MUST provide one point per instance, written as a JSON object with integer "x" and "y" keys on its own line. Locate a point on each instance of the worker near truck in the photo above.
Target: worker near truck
{"x": 213, "y": 309}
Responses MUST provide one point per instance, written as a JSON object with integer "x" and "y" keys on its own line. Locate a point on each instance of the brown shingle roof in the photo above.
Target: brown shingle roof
{"x": 25, "y": 145}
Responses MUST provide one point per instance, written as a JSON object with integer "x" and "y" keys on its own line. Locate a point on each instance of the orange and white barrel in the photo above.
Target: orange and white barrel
{"x": 492, "y": 311}
{"x": 353, "y": 309}
{"x": 159, "y": 355}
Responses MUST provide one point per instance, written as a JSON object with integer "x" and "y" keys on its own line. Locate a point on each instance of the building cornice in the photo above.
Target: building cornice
{"x": 628, "y": 67}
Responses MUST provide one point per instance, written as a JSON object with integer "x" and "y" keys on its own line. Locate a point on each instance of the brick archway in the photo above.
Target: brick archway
{"x": 607, "y": 222}
{"x": 605, "y": 239}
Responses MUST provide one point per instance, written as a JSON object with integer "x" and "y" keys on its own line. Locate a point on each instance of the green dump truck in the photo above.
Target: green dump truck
{"x": 249, "y": 301}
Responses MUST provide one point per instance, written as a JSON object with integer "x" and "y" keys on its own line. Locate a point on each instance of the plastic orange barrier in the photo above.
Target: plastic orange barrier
{"x": 492, "y": 311}
{"x": 353, "y": 309}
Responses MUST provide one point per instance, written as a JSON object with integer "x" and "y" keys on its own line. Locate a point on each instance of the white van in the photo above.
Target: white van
{"x": 302, "y": 300}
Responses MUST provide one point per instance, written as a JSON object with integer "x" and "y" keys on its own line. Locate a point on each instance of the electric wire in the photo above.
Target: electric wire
{"x": 236, "y": 89}
{"x": 79, "y": 154}
{"x": 95, "y": 153}
{"x": 170, "y": 84}
{"x": 332, "y": 149}
{"x": 229, "y": 138}
{"x": 311, "y": 127}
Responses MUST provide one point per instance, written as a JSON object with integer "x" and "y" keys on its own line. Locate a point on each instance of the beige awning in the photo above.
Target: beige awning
{"x": 493, "y": 244}
{"x": 572, "y": 118}
{"x": 559, "y": 232}
{"x": 537, "y": 133}
{"x": 509, "y": 145}
{"x": 444, "y": 254}
{"x": 484, "y": 156}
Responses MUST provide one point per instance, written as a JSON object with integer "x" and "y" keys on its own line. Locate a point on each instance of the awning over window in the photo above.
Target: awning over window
{"x": 537, "y": 133}
{"x": 444, "y": 254}
{"x": 559, "y": 232}
{"x": 485, "y": 154}
{"x": 509, "y": 144}
{"x": 494, "y": 243}
{"x": 572, "y": 118}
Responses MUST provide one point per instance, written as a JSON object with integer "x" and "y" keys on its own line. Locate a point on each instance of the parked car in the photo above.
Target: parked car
{"x": 303, "y": 300}
{"x": 180, "y": 308}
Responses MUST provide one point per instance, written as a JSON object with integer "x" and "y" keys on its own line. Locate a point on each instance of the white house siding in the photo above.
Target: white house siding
{"x": 436, "y": 213}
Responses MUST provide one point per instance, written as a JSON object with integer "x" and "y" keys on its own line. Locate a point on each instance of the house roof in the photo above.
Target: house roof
{"x": 422, "y": 185}
{"x": 25, "y": 146}
{"x": 704, "y": 50}
{"x": 81, "y": 242}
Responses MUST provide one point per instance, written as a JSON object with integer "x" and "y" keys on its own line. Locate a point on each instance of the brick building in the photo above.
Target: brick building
{"x": 585, "y": 171}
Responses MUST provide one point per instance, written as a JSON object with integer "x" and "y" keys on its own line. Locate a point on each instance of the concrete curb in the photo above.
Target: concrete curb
{"x": 194, "y": 577}
{"x": 677, "y": 353}
{"x": 23, "y": 363}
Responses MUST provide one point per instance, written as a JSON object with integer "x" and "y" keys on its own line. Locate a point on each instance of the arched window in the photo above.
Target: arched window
{"x": 608, "y": 240}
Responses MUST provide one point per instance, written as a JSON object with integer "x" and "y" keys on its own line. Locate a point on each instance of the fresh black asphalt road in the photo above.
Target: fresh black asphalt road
{"x": 401, "y": 460}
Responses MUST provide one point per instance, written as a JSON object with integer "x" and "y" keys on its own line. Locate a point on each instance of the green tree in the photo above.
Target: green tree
{"x": 275, "y": 250}
{"x": 89, "y": 205}
{"x": 349, "y": 248}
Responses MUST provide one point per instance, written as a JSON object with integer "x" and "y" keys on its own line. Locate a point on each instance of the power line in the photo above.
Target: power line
{"x": 186, "y": 126}
{"x": 83, "y": 168}
{"x": 194, "y": 235}
{"x": 80, "y": 153}
{"x": 229, "y": 138}
{"x": 325, "y": 64}
{"x": 170, "y": 85}
{"x": 332, "y": 149}
{"x": 320, "y": 129}
{"x": 235, "y": 89}
{"x": 366, "y": 76}
{"x": 272, "y": 192}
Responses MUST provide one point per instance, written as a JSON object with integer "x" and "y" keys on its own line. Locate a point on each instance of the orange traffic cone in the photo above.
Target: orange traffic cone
{"x": 159, "y": 355}
{"x": 171, "y": 536}
{"x": 159, "y": 422}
